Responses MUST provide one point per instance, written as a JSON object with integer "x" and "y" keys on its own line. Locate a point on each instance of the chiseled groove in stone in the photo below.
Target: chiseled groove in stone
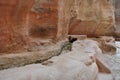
{"x": 9, "y": 61}
{"x": 17, "y": 60}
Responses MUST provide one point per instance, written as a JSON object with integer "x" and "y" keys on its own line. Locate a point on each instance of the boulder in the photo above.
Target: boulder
{"x": 91, "y": 48}
{"x": 79, "y": 64}
{"x": 107, "y": 44}
{"x": 102, "y": 65}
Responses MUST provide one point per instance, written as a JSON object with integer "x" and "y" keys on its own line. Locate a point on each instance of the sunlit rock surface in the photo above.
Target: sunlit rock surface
{"x": 102, "y": 76}
{"x": 118, "y": 47}
{"x": 91, "y": 17}
{"x": 24, "y": 25}
{"x": 107, "y": 44}
{"x": 113, "y": 62}
{"x": 39, "y": 54}
{"x": 78, "y": 64}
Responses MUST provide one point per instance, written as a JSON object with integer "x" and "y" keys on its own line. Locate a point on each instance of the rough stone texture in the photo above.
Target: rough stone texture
{"x": 76, "y": 65}
{"x": 103, "y": 76}
{"x": 24, "y": 23}
{"x": 17, "y": 60}
{"x": 107, "y": 44}
{"x": 91, "y": 48}
{"x": 91, "y": 17}
{"x": 114, "y": 64}
{"x": 81, "y": 61}
{"x": 13, "y": 23}
{"x": 39, "y": 54}
{"x": 43, "y": 19}
{"x": 24, "y": 26}
{"x": 102, "y": 65}
{"x": 35, "y": 55}
{"x": 117, "y": 17}
{"x": 79, "y": 37}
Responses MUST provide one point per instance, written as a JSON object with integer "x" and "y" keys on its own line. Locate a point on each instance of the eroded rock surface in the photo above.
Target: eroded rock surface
{"x": 107, "y": 44}
{"x": 94, "y": 17}
{"x": 69, "y": 66}
{"x": 24, "y": 25}
{"x": 117, "y": 17}
{"x": 79, "y": 64}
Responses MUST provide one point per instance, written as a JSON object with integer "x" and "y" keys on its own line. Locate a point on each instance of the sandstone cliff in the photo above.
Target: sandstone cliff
{"x": 92, "y": 17}
{"x": 23, "y": 23}
{"x": 28, "y": 23}
{"x": 117, "y": 17}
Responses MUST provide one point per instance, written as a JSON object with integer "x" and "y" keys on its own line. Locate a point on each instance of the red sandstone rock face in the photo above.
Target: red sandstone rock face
{"x": 24, "y": 21}
{"x": 43, "y": 19}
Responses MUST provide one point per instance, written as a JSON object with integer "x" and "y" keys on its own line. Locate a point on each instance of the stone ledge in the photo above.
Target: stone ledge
{"x": 21, "y": 59}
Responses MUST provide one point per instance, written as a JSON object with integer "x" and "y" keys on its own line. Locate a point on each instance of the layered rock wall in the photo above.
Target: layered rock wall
{"x": 92, "y": 17}
{"x": 117, "y": 17}
{"x": 27, "y": 23}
